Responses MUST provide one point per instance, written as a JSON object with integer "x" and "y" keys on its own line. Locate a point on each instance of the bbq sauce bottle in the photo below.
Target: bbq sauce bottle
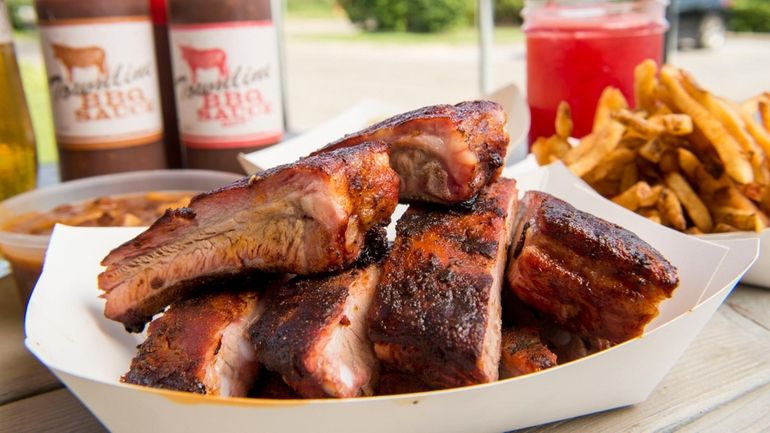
{"x": 226, "y": 78}
{"x": 103, "y": 83}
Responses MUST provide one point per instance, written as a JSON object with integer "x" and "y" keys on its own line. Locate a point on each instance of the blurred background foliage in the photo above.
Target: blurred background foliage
{"x": 750, "y": 16}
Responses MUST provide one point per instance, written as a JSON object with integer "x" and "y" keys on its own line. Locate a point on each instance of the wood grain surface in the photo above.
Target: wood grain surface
{"x": 720, "y": 384}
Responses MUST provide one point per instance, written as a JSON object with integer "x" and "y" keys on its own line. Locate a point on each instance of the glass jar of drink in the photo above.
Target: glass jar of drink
{"x": 576, "y": 48}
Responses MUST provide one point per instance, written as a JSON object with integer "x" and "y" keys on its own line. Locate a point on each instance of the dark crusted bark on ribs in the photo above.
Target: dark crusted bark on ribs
{"x": 436, "y": 312}
{"x": 586, "y": 274}
{"x": 566, "y": 345}
{"x": 304, "y": 218}
{"x": 523, "y": 352}
{"x": 393, "y": 382}
{"x": 442, "y": 153}
{"x": 313, "y": 333}
{"x": 200, "y": 345}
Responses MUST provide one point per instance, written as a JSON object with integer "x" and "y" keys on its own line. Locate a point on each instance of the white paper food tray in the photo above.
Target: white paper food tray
{"x": 67, "y": 331}
{"x": 757, "y": 275}
{"x": 370, "y": 111}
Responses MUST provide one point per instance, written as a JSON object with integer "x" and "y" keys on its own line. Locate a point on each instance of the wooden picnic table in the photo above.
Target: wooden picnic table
{"x": 721, "y": 383}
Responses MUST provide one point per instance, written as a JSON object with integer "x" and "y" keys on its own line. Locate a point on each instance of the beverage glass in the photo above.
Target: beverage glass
{"x": 576, "y": 48}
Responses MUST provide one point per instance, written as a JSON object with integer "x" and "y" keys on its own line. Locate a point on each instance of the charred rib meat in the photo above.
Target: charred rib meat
{"x": 442, "y": 153}
{"x": 200, "y": 345}
{"x": 313, "y": 333}
{"x": 523, "y": 352}
{"x": 436, "y": 312}
{"x": 586, "y": 274}
{"x": 303, "y": 218}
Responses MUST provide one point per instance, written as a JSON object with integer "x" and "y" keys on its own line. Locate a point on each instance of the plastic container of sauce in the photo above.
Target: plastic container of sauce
{"x": 224, "y": 56}
{"x": 24, "y": 219}
{"x": 103, "y": 84}
{"x": 576, "y": 48}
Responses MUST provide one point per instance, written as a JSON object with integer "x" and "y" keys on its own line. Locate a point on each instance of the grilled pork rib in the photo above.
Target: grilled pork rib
{"x": 200, "y": 345}
{"x": 586, "y": 274}
{"x": 303, "y": 218}
{"x": 313, "y": 333}
{"x": 523, "y": 352}
{"x": 442, "y": 153}
{"x": 436, "y": 312}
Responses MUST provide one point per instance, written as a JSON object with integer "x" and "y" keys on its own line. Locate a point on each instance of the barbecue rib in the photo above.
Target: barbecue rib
{"x": 313, "y": 333}
{"x": 586, "y": 274}
{"x": 303, "y": 218}
{"x": 442, "y": 153}
{"x": 436, "y": 312}
{"x": 523, "y": 352}
{"x": 200, "y": 345}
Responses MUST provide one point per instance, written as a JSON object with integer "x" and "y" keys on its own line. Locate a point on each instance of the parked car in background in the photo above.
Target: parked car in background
{"x": 702, "y": 23}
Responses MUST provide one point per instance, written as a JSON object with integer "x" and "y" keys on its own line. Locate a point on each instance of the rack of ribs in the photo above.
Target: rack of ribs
{"x": 313, "y": 333}
{"x": 585, "y": 274}
{"x": 303, "y": 218}
{"x": 200, "y": 345}
{"x": 436, "y": 312}
{"x": 442, "y": 153}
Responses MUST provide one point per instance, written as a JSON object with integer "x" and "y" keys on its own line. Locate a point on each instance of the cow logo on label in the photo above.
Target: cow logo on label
{"x": 95, "y": 91}
{"x": 204, "y": 59}
{"x": 226, "y": 95}
{"x": 86, "y": 57}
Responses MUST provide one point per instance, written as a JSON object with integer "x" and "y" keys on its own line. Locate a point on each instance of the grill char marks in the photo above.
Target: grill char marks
{"x": 313, "y": 334}
{"x": 523, "y": 352}
{"x": 305, "y": 218}
{"x": 586, "y": 274}
{"x": 436, "y": 312}
{"x": 199, "y": 345}
{"x": 442, "y": 153}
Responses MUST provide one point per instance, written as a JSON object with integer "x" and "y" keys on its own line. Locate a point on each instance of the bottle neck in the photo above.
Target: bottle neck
{"x": 5, "y": 24}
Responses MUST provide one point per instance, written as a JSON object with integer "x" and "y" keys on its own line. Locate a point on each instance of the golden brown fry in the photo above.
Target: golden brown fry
{"x": 632, "y": 197}
{"x": 674, "y": 124}
{"x": 693, "y": 231}
{"x": 671, "y": 210}
{"x": 651, "y": 214}
{"x": 564, "y": 120}
{"x": 724, "y": 228}
{"x": 637, "y": 123}
{"x": 584, "y": 146}
{"x": 541, "y": 151}
{"x": 611, "y": 100}
{"x": 630, "y": 176}
{"x": 615, "y": 161}
{"x": 756, "y": 131}
{"x": 698, "y": 175}
{"x": 605, "y": 141}
{"x": 652, "y": 198}
{"x": 730, "y": 152}
{"x": 645, "y": 84}
{"x": 695, "y": 208}
{"x": 728, "y": 202}
{"x": 764, "y": 113}
{"x": 652, "y": 151}
{"x": 669, "y": 162}
{"x": 739, "y": 219}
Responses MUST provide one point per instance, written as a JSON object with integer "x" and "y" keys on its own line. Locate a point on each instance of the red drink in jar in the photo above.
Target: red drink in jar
{"x": 577, "y": 48}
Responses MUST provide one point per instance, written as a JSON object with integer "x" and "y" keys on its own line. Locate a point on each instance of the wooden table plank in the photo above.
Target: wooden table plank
{"x": 749, "y": 413}
{"x": 21, "y": 373}
{"x": 752, "y": 302}
{"x": 728, "y": 359}
{"x": 55, "y": 411}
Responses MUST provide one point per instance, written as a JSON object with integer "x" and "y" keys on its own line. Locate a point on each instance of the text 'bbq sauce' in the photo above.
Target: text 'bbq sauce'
{"x": 226, "y": 78}
{"x": 103, "y": 84}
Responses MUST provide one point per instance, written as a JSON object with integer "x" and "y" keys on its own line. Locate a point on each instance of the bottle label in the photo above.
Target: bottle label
{"x": 103, "y": 82}
{"x": 227, "y": 84}
{"x": 5, "y": 24}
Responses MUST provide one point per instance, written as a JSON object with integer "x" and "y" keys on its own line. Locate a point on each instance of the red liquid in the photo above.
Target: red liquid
{"x": 576, "y": 61}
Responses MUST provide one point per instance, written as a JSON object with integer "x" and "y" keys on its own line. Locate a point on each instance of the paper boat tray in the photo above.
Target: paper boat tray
{"x": 67, "y": 331}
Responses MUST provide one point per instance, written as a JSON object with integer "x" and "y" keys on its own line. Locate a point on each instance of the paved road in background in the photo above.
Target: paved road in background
{"x": 326, "y": 77}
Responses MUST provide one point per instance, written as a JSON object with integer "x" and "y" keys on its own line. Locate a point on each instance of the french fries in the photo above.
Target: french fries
{"x": 682, "y": 157}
